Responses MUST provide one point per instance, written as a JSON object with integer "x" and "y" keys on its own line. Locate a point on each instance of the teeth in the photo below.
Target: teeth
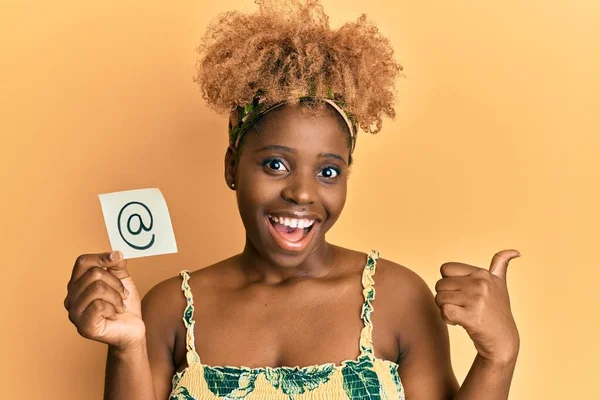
{"x": 293, "y": 222}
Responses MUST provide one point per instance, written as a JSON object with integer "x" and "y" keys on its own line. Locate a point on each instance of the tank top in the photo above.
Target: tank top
{"x": 366, "y": 377}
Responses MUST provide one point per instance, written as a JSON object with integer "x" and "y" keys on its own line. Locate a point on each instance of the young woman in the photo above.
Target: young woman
{"x": 292, "y": 316}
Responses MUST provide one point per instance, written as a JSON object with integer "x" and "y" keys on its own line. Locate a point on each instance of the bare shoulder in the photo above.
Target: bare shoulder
{"x": 163, "y": 308}
{"x": 392, "y": 280}
{"x": 166, "y": 300}
{"x": 400, "y": 273}
{"x": 163, "y": 304}
{"x": 402, "y": 287}
{"x": 422, "y": 335}
{"x": 406, "y": 301}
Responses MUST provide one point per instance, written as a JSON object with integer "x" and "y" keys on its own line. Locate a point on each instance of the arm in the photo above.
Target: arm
{"x": 425, "y": 367}
{"x": 489, "y": 378}
{"x": 145, "y": 372}
{"x": 477, "y": 299}
{"x": 128, "y": 374}
{"x": 104, "y": 305}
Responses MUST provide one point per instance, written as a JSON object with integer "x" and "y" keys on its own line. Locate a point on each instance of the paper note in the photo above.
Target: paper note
{"x": 138, "y": 223}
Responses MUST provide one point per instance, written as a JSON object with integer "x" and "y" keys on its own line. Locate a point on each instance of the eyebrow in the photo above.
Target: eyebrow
{"x": 294, "y": 151}
{"x": 277, "y": 147}
{"x": 332, "y": 155}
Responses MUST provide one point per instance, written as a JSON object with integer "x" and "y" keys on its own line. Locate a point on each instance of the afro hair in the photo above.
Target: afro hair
{"x": 287, "y": 50}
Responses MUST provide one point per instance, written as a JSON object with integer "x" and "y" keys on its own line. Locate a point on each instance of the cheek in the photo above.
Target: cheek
{"x": 253, "y": 193}
{"x": 248, "y": 204}
{"x": 334, "y": 200}
{"x": 256, "y": 188}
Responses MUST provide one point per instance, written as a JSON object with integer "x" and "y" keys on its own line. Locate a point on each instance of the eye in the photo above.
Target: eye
{"x": 275, "y": 164}
{"x": 329, "y": 172}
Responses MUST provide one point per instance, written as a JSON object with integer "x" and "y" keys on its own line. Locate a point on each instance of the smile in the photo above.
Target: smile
{"x": 291, "y": 234}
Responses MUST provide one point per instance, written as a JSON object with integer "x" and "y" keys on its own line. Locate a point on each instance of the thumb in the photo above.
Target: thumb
{"x": 500, "y": 262}
{"x": 119, "y": 269}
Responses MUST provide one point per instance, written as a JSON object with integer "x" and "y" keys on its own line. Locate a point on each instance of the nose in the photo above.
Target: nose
{"x": 300, "y": 190}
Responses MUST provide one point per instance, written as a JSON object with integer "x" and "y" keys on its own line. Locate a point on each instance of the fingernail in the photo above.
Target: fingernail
{"x": 124, "y": 307}
{"x": 115, "y": 255}
{"x": 126, "y": 293}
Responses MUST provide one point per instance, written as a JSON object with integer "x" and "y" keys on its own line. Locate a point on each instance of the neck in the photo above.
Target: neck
{"x": 282, "y": 268}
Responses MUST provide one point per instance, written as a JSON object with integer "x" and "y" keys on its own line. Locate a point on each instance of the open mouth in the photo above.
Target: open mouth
{"x": 291, "y": 234}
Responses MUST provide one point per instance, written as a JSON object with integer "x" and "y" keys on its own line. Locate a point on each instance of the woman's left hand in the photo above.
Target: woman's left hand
{"x": 477, "y": 300}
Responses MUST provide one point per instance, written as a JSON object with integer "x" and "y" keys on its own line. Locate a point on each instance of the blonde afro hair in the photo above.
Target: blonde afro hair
{"x": 287, "y": 50}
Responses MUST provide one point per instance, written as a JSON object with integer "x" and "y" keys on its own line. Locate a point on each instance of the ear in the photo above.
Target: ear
{"x": 230, "y": 166}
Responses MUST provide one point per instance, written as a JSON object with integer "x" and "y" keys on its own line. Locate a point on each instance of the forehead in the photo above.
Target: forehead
{"x": 298, "y": 127}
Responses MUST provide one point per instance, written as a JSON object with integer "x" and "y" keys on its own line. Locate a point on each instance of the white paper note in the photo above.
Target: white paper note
{"x": 138, "y": 223}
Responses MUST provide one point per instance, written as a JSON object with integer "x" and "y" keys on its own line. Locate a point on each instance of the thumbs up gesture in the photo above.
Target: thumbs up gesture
{"x": 477, "y": 299}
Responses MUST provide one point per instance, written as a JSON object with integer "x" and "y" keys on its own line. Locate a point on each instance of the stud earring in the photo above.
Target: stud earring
{"x": 232, "y": 185}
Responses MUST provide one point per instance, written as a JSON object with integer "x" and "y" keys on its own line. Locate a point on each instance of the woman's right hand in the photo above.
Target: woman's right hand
{"x": 103, "y": 302}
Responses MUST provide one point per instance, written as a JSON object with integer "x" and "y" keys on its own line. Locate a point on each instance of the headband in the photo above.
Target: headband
{"x": 242, "y": 118}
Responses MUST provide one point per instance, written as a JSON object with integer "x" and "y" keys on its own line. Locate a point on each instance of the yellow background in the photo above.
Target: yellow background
{"x": 495, "y": 146}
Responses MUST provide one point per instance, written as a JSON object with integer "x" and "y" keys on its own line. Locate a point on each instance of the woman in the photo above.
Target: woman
{"x": 292, "y": 316}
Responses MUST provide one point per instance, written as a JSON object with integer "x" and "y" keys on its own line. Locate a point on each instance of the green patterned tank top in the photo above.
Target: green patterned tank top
{"x": 367, "y": 377}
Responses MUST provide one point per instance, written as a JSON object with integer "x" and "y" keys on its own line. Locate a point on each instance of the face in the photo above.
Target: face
{"x": 291, "y": 182}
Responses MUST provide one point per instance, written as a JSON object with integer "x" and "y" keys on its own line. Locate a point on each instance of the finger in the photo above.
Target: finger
{"x": 119, "y": 269}
{"x": 98, "y": 290}
{"x": 112, "y": 261}
{"x": 455, "y": 297}
{"x": 119, "y": 266}
{"x": 499, "y": 264}
{"x": 452, "y": 283}
{"x": 457, "y": 269}
{"x": 93, "y": 318}
{"x": 92, "y": 275}
{"x": 454, "y": 315}
{"x": 105, "y": 260}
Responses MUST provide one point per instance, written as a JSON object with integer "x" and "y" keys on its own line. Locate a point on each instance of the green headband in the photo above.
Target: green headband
{"x": 242, "y": 118}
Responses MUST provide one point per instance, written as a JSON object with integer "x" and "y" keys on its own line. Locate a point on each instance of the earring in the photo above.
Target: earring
{"x": 232, "y": 185}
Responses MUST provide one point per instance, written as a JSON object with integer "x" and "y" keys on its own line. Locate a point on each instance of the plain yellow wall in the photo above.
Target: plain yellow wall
{"x": 495, "y": 146}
